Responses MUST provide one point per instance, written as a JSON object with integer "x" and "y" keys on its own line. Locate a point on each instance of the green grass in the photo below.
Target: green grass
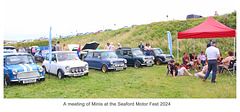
{"x": 146, "y": 82}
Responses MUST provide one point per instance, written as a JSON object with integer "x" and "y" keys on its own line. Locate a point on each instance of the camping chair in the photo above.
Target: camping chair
{"x": 230, "y": 67}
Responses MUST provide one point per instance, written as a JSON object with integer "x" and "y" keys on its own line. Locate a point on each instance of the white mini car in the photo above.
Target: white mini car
{"x": 65, "y": 63}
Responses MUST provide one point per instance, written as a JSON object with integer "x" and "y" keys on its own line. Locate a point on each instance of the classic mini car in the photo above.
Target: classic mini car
{"x": 9, "y": 49}
{"x": 20, "y": 67}
{"x": 65, "y": 63}
{"x": 86, "y": 48}
{"x": 40, "y": 55}
{"x": 105, "y": 60}
{"x": 135, "y": 57}
{"x": 160, "y": 56}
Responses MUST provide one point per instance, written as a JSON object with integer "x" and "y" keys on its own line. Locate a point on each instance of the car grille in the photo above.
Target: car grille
{"x": 28, "y": 74}
{"x": 118, "y": 64}
{"x": 77, "y": 69}
{"x": 168, "y": 58}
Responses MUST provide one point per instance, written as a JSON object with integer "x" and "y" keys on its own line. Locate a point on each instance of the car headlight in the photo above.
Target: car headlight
{"x": 153, "y": 58}
{"x": 172, "y": 56}
{"x": 111, "y": 62}
{"x": 40, "y": 69}
{"x": 86, "y": 66}
{"x": 125, "y": 61}
{"x": 67, "y": 67}
{"x": 14, "y": 72}
{"x": 144, "y": 59}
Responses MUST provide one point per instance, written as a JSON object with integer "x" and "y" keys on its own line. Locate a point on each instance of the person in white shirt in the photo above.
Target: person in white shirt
{"x": 147, "y": 49}
{"x": 119, "y": 46}
{"x": 111, "y": 47}
{"x": 201, "y": 58}
{"x": 107, "y": 46}
{"x": 212, "y": 53}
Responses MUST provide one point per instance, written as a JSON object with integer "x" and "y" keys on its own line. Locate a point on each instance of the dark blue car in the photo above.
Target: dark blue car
{"x": 20, "y": 67}
{"x": 105, "y": 60}
{"x": 40, "y": 55}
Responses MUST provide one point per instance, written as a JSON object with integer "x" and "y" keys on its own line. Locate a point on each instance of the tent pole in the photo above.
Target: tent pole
{"x": 234, "y": 46}
{"x": 194, "y": 45}
{"x": 177, "y": 51}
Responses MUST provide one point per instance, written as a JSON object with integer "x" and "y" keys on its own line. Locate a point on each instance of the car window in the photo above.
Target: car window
{"x": 20, "y": 59}
{"x": 96, "y": 54}
{"x": 67, "y": 56}
{"x": 90, "y": 55}
{"x": 108, "y": 54}
{"x": 127, "y": 52}
{"x": 53, "y": 57}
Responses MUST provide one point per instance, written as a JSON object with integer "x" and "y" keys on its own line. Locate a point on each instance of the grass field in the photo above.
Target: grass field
{"x": 146, "y": 82}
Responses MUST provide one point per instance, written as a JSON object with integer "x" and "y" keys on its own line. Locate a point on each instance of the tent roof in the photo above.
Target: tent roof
{"x": 210, "y": 28}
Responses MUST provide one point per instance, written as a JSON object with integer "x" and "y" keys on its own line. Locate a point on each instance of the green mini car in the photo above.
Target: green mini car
{"x": 135, "y": 57}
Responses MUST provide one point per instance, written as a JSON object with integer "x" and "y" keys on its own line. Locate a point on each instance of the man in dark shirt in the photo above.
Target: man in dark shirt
{"x": 209, "y": 44}
{"x": 141, "y": 46}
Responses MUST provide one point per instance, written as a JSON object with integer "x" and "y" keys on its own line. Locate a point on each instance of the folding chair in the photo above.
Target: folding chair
{"x": 230, "y": 67}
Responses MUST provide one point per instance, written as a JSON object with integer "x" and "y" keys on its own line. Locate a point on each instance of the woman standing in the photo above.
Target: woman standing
{"x": 64, "y": 47}
{"x": 147, "y": 49}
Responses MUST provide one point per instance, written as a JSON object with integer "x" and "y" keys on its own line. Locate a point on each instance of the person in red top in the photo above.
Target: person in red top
{"x": 186, "y": 60}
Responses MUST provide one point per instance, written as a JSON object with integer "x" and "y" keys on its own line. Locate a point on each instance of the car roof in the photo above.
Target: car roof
{"x": 99, "y": 50}
{"x": 59, "y": 52}
{"x": 12, "y": 54}
{"x": 9, "y": 47}
{"x": 124, "y": 48}
{"x": 156, "y": 48}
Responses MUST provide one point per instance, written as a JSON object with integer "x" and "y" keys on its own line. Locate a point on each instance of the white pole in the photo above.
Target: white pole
{"x": 177, "y": 51}
{"x": 234, "y": 46}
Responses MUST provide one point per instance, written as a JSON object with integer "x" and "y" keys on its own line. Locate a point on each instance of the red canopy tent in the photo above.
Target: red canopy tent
{"x": 210, "y": 28}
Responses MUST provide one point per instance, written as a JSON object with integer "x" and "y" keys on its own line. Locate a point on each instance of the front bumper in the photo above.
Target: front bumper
{"x": 75, "y": 74}
{"x": 148, "y": 63}
{"x": 24, "y": 79}
{"x": 118, "y": 68}
{"x": 168, "y": 60}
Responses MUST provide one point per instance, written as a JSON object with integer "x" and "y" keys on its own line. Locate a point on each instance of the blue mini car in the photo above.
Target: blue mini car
{"x": 105, "y": 60}
{"x": 20, "y": 67}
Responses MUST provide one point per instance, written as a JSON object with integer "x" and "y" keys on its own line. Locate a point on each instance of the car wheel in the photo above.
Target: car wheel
{"x": 86, "y": 74}
{"x": 137, "y": 64}
{"x": 43, "y": 79}
{"x": 158, "y": 62}
{"x": 7, "y": 81}
{"x": 60, "y": 74}
{"x": 104, "y": 68}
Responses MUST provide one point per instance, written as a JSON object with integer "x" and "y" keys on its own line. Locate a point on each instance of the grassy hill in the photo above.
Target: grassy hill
{"x": 156, "y": 34}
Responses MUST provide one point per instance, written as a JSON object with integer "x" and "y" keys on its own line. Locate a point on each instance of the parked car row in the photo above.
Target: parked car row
{"x": 21, "y": 67}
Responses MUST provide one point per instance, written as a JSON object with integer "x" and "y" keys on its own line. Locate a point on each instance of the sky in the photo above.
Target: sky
{"x": 31, "y": 19}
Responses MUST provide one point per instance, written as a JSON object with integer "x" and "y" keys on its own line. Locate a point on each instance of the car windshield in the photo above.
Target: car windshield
{"x": 23, "y": 59}
{"x": 158, "y": 51}
{"x": 137, "y": 52}
{"x": 108, "y": 54}
{"x": 67, "y": 56}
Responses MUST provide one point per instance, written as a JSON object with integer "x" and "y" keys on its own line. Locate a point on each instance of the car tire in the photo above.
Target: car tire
{"x": 43, "y": 79}
{"x": 60, "y": 74}
{"x": 104, "y": 68}
{"x": 86, "y": 74}
{"x": 158, "y": 62}
{"x": 137, "y": 64}
{"x": 7, "y": 81}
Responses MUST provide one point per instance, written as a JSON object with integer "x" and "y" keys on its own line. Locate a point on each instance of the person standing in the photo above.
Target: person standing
{"x": 209, "y": 44}
{"x": 57, "y": 47}
{"x": 107, "y": 46}
{"x": 53, "y": 47}
{"x": 147, "y": 49}
{"x": 33, "y": 51}
{"x": 119, "y": 46}
{"x": 111, "y": 47}
{"x": 212, "y": 53}
{"x": 141, "y": 46}
{"x": 64, "y": 47}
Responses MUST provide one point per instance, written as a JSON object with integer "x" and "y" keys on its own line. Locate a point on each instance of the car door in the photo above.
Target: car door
{"x": 127, "y": 54}
{"x": 97, "y": 60}
{"x": 53, "y": 69}
{"x": 89, "y": 59}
